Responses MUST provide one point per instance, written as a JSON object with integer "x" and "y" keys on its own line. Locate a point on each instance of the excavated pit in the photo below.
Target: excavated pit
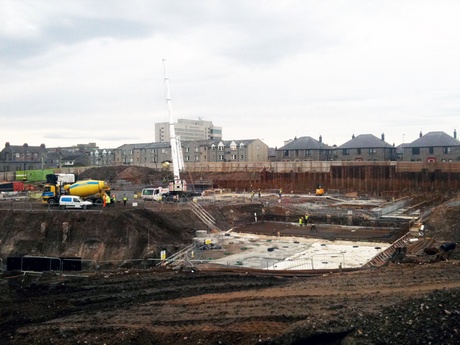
{"x": 411, "y": 302}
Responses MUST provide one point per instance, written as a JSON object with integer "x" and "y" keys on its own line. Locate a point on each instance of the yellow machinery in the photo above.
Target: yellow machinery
{"x": 319, "y": 190}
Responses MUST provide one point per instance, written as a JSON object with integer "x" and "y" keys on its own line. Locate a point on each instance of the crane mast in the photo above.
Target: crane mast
{"x": 176, "y": 149}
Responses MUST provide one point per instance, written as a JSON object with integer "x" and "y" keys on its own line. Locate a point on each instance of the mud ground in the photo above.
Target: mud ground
{"x": 397, "y": 304}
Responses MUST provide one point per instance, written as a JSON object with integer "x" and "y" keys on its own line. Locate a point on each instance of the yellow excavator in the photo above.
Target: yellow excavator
{"x": 319, "y": 190}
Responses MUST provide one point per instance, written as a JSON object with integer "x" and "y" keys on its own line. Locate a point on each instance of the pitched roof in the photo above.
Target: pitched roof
{"x": 157, "y": 145}
{"x": 73, "y": 156}
{"x": 144, "y": 146}
{"x": 216, "y": 142}
{"x": 434, "y": 139}
{"x": 25, "y": 148}
{"x": 365, "y": 141}
{"x": 305, "y": 143}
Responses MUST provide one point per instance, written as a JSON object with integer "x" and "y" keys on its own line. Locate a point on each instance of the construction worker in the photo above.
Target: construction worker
{"x": 125, "y": 199}
{"x": 107, "y": 200}
{"x": 104, "y": 200}
{"x": 114, "y": 200}
{"x": 301, "y": 221}
{"x": 306, "y": 218}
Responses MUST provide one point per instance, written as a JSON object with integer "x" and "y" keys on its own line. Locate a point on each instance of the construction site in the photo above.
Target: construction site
{"x": 257, "y": 258}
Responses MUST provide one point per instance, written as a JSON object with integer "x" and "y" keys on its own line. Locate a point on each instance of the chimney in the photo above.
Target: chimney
{"x": 383, "y": 136}
{"x": 353, "y": 136}
{"x": 420, "y": 135}
{"x": 320, "y": 139}
{"x": 455, "y": 134}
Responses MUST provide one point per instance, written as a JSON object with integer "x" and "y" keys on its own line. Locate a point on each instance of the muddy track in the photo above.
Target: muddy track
{"x": 166, "y": 307}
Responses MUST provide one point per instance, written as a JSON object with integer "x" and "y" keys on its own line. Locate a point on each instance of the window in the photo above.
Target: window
{"x": 197, "y": 158}
{"x": 221, "y": 147}
{"x": 187, "y": 158}
{"x": 358, "y": 151}
{"x": 197, "y": 149}
{"x": 221, "y": 157}
{"x": 234, "y": 157}
{"x": 285, "y": 153}
{"x": 345, "y": 152}
{"x": 431, "y": 150}
{"x": 242, "y": 157}
{"x": 372, "y": 151}
{"x": 187, "y": 149}
{"x": 446, "y": 150}
{"x": 416, "y": 150}
{"x": 307, "y": 153}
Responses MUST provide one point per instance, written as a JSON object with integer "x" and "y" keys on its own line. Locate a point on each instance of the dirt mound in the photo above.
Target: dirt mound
{"x": 134, "y": 174}
{"x": 147, "y": 176}
{"x": 443, "y": 222}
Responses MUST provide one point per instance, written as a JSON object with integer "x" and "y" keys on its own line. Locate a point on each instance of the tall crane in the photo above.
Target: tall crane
{"x": 177, "y": 186}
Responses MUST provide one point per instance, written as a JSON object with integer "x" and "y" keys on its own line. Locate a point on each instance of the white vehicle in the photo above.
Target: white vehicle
{"x": 154, "y": 194}
{"x": 72, "y": 201}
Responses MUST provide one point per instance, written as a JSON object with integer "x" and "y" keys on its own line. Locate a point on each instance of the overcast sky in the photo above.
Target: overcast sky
{"x": 75, "y": 72}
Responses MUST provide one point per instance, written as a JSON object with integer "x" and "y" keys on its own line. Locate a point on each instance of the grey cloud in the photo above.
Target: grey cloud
{"x": 69, "y": 31}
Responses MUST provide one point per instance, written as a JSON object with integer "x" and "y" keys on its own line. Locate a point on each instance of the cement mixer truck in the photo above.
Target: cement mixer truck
{"x": 91, "y": 190}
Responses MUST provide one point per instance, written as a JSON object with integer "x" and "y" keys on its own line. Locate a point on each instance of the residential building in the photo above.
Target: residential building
{"x": 253, "y": 150}
{"x": 305, "y": 149}
{"x": 76, "y": 159}
{"x": 142, "y": 154}
{"x": 250, "y": 150}
{"x": 188, "y": 130}
{"x": 433, "y": 147}
{"x": 23, "y": 157}
{"x": 365, "y": 147}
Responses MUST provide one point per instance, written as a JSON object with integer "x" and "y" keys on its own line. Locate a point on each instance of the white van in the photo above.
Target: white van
{"x": 71, "y": 201}
{"x": 154, "y": 193}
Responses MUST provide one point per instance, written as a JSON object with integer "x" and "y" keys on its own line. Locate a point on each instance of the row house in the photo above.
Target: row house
{"x": 27, "y": 157}
{"x": 142, "y": 154}
{"x": 431, "y": 147}
{"x": 304, "y": 149}
{"x": 23, "y": 157}
{"x": 251, "y": 150}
